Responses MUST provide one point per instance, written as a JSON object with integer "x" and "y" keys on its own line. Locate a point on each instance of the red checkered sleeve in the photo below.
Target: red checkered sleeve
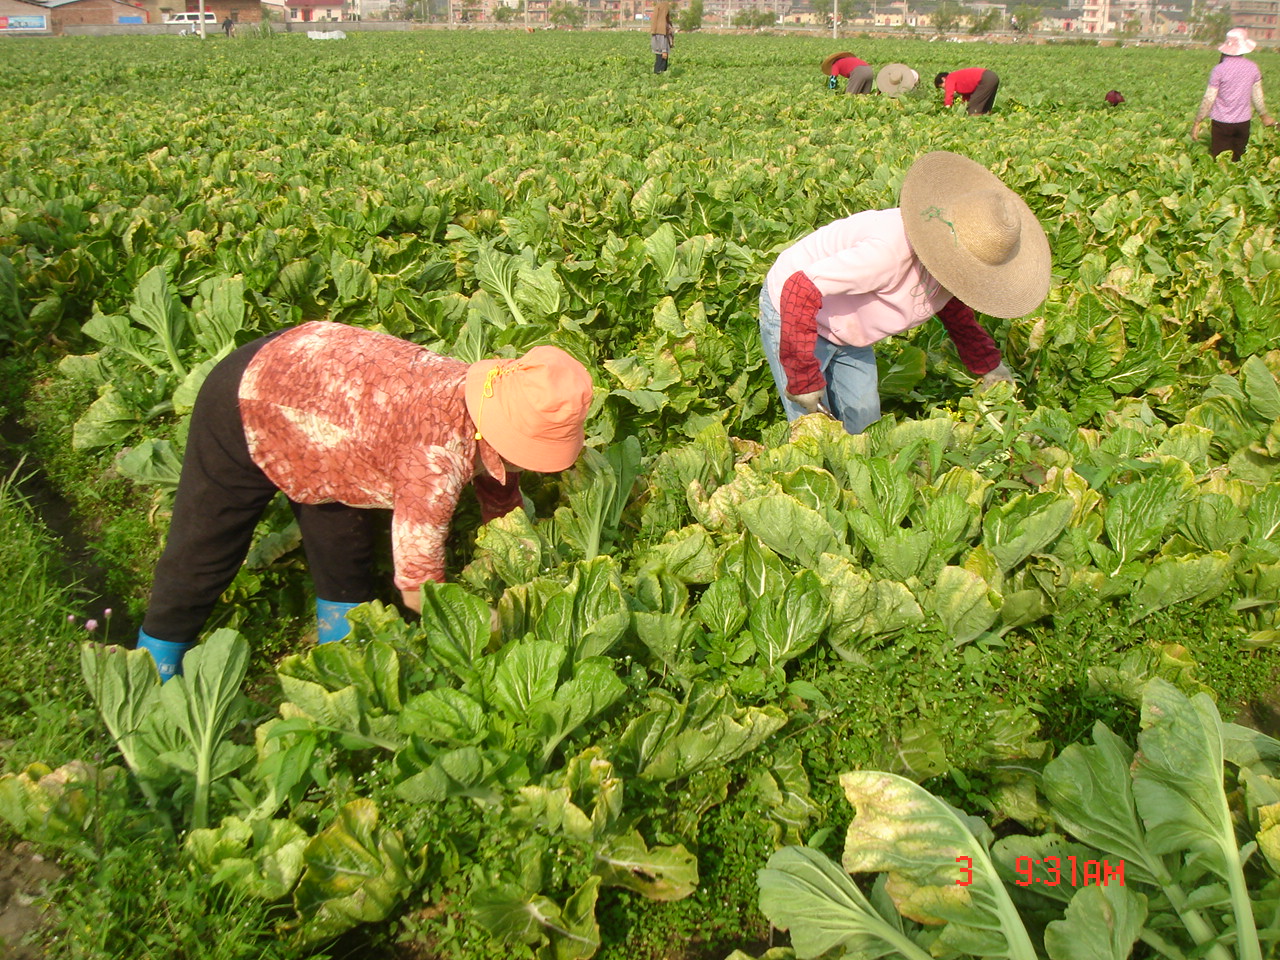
{"x": 498, "y": 499}
{"x": 801, "y": 302}
{"x": 977, "y": 350}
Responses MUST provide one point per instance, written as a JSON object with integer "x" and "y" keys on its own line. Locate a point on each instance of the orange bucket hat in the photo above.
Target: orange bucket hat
{"x": 531, "y": 409}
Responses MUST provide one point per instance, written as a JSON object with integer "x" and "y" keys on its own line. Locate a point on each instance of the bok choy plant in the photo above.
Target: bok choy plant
{"x": 1162, "y": 821}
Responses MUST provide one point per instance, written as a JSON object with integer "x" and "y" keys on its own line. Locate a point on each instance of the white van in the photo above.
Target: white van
{"x": 192, "y": 17}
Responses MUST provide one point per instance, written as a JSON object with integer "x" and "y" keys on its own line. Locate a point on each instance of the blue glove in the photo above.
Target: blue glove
{"x": 331, "y": 619}
{"x": 168, "y": 656}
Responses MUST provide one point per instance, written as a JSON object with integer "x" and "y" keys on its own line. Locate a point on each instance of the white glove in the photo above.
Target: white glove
{"x": 1000, "y": 374}
{"x": 812, "y": 402}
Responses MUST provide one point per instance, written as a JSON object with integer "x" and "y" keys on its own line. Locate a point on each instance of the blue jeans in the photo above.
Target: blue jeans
{"x": 853, "y": 389}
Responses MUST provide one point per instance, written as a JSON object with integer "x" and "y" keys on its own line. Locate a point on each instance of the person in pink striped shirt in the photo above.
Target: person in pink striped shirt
{"x": 1233, "y": 96}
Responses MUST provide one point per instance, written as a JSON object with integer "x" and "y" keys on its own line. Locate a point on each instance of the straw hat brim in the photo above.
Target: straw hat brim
{"x": 829, "y": 62}
{"x": 936, "y": 192}
{"x": 906, "y": 79}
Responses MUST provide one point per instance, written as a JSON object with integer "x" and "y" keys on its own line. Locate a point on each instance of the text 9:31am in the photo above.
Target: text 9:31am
{"x": 1053, "y": 871}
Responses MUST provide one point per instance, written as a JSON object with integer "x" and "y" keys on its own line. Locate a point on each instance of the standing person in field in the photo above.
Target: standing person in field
{"x": 662, "y": 35}
{"x": 341, "y": 419}
{"x": 228, "y": 25}
{"x": 976, "y": 87}
{"x": 958, "y": 241}
{"x": 1233, "y": 96}
{"x": 857, "y": 72}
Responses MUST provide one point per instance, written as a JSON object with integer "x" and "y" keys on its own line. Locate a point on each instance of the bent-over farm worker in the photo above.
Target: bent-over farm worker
{"x": 958, "y": 241}
{"x": 858, "y": 73}
{"x": 341, "y": 419}
{"x": 1233, "y": 96}
{"x": 895, "y": 79}
{"x": 976, "y": 87}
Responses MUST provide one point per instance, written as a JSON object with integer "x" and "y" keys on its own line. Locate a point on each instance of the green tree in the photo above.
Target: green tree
{"x": 947, "y": 16}
{"x": 690, "y": 18}
{"x": 566, "y": 15}
{"x": 1131, "y": 27}
{"x": 754, "y": 18}
{"x": 505, "y": 14}
{"x": 1208, "y": 25}
{"x": 1028, "y": 17}
{"x": 980, "y": 23}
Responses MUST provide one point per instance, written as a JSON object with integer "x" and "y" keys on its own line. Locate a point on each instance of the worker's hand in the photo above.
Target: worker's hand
{"x": 1268, "y": 121}
{"x": 412, "y": 598}
{"x": 1001, "y": 374}
{"x": 812, "y": 402}
{"x": 1195, "y": 130}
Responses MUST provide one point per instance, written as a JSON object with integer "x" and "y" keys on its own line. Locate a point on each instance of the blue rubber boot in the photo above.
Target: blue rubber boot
{"x": 331, "y": 619}
{"x": 168, "y": 656}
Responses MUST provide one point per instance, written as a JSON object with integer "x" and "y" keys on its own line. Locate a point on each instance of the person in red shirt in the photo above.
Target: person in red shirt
{"x": 977, "y": 87}
{"x": 340, "y": 420}
{"x": 858, "y": 72}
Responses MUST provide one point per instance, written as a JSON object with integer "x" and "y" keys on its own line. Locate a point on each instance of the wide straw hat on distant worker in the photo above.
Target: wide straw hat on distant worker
{"x": 1237, "y": 43}
{"x": 976, "y": 237}
{"x": 895, "y": 79}
{"x": 829, "y": 62}
{"x": 531, "y": 409}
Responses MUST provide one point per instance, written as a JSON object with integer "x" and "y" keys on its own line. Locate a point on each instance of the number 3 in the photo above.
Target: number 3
{"x": 967, "y": 870}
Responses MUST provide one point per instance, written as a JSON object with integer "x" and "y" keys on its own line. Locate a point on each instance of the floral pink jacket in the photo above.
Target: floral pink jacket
{"x": 339, "y": 413}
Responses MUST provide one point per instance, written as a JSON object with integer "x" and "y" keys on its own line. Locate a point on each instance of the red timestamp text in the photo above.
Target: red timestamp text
{"x": 1054, "y": 871}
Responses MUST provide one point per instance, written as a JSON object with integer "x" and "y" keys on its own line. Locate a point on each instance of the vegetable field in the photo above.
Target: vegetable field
{"x": 753, "y": 690}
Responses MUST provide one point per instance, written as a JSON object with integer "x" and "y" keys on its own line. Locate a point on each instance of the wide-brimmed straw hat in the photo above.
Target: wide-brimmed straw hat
{"x": 829, "y": 62}
{"x": 1237, "y": 43}
{"x": 976, "y": 237}
{"x": 895, "y": 79}
{"x": 531, "y": 409}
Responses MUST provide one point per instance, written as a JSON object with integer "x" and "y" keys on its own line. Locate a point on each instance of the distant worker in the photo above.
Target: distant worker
{"x": 662, "y": 35}
{"x": 228, "y": 27}
{"x": 1233, "y": 96}
{"x": 895, "y": 79}
{"x": 1114, "y": 98}
{"x": 857, "y": 73}
{"x": 977, "y": 87}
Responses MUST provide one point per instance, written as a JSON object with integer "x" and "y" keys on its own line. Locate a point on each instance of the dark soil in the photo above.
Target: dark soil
{"x": 25, "y": 879}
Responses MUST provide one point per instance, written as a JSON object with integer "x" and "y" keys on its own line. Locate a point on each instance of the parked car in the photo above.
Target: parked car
{"x": 192, "y": 17}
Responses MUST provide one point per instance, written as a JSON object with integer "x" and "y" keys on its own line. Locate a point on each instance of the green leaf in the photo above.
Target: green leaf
{"x": 1101, "y": 923}
{"x": 659, "y": 873}
{"x": 1261, "y": 388}
{"x": 803, "y": 892}
{"x": 963, "y": 602}
{"x": 356, "y": 872}
{"x": 1171, "y": 580}
{"x": 1091, "y": 795}
{"x": 1025, "y": 525}
{"x": 924, "y": 844}
{"x": 528, "y": 673}
{"x": 262, "y": 859}
{"x": 788, "y": 628}
{"x": 456, "y": 623}
{"x": 108, "y": 421}
{"x": 788, "y": 527}
{"x": 205, "y": 704}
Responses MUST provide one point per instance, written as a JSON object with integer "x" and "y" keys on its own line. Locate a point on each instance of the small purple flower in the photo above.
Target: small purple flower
{"x": 91, "y": 625}
{"x": 71, "y": 618}
{"x": 107, "y": 613}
